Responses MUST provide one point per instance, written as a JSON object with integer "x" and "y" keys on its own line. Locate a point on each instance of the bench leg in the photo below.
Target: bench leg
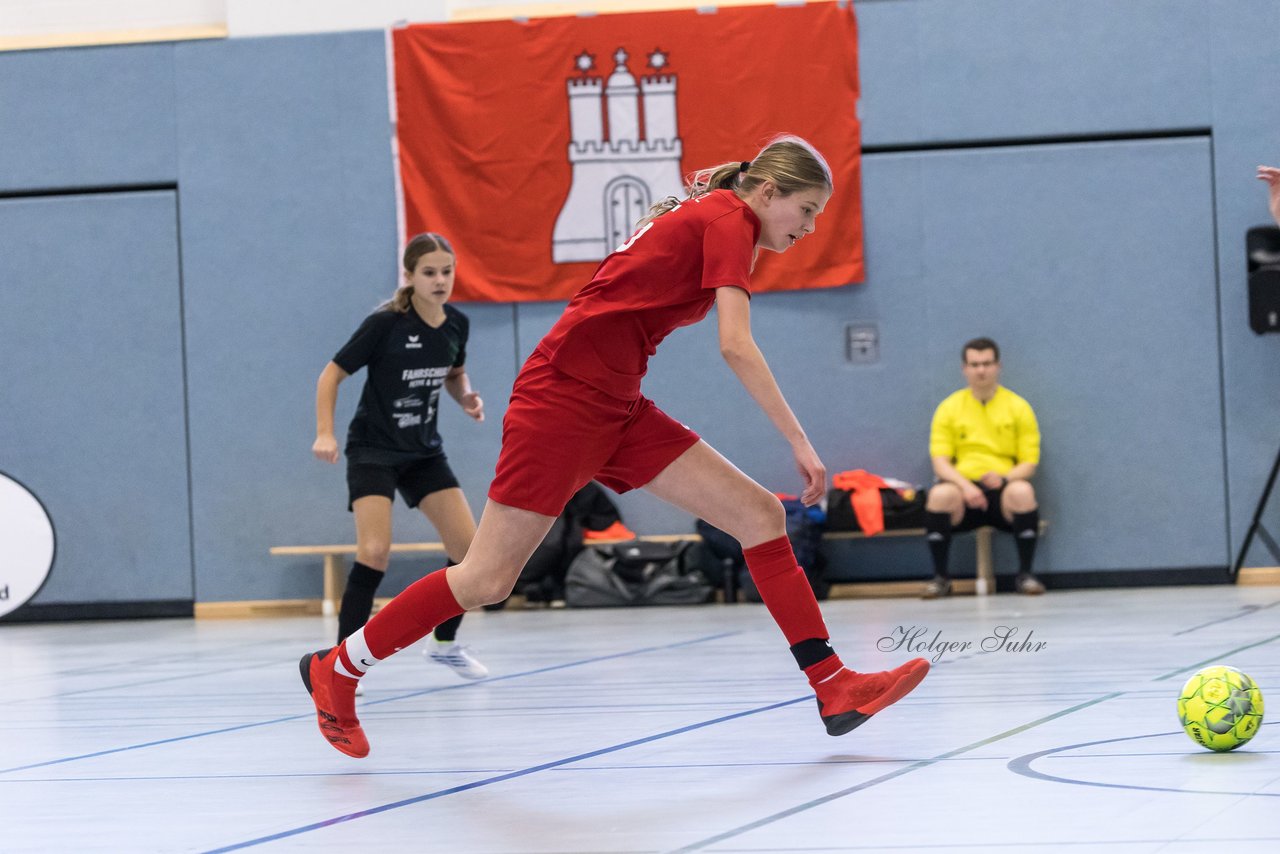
{"x": 985, "y": 578}
{"x": 335, "y": 583}
{"x": 730, "y": 581}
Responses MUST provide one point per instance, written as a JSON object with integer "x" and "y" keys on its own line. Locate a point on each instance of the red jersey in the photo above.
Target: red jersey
{"x": 663, "y": 278}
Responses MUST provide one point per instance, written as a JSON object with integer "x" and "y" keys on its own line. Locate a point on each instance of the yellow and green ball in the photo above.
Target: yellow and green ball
{"x": 1220, "y": 708}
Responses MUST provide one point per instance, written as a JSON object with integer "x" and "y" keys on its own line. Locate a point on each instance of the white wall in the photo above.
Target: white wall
{"x": 41, "y": 23}
{"x": 40, "y": 19}
{"x": 275, "y": 17}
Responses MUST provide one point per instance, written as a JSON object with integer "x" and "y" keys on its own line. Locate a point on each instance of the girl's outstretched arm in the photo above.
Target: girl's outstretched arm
{"x": 738, "y": 347}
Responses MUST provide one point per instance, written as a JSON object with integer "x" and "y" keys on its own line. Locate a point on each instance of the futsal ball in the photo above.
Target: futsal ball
{"x": 1220, "y": 708}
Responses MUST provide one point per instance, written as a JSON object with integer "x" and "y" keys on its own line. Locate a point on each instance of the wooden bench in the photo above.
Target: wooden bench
{"x": 984, "y": 580}
{"x": 335, "y": 571}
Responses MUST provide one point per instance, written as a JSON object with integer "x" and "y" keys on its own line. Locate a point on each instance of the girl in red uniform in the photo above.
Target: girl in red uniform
{"x": 576, "y": 413}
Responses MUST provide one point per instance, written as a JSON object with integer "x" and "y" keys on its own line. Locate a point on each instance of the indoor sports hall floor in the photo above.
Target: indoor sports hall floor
{"x": 648, "y": 730}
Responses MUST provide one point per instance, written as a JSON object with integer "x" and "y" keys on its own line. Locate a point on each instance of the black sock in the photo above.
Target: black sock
{"x": 938, "y": 528}
{"x": 1026, "y": 530}
{"x": 447, "y": 631}
{"x": 357, "y": 601}
{"x": 812, "y": 651}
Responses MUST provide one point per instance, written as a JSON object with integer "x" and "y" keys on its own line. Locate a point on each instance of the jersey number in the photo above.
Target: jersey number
{"x": 624, "y": 247}
{"x": 648, "y": 225}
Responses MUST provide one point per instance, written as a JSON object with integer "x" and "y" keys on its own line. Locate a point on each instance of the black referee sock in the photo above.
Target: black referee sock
{"x": 1026, "y": 530}
{"x": 447, "y": 632}
{"x": 357, "y": 601}
{"x": 938, "y": 528}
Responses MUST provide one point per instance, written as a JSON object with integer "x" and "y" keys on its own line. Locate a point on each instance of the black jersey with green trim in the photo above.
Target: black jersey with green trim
{"x": 408, "y": 361}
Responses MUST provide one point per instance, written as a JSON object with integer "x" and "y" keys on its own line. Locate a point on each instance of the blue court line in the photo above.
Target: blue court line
{"x": 311, "y": 714}
{"x": 144, "y": 744}
{"x": 489, "y": 781}
{"x": 442, "y": 771}
{"x": 797, "y": 764}
{"x": 1022, "y": 765}
{"x": 884, "y": 778}
{"x": 157, "y": 681}
{"x": 729, "y": 834}
{"x": 284, "y": 776}
{"x": 135, "y": 663}
{"x": 491, "y": 679}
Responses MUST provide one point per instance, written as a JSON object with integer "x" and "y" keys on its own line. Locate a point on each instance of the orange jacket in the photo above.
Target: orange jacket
{"x": 864, "y": 489}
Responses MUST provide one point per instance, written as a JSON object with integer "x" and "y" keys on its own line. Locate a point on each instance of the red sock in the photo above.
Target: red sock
{"x": 785, "y": 590}
{"x": 412, "y": 615}
{"x": 823, "y": 670}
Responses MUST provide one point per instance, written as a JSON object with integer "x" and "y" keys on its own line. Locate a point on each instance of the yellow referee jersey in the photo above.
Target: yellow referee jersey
{"x": 981, "y": 437}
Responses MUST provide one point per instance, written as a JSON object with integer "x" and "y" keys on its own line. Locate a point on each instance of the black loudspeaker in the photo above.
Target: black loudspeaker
{"x": 1262, "y": 246}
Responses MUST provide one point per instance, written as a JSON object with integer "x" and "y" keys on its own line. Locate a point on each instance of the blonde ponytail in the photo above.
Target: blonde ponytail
{"x": 788, "y": 161}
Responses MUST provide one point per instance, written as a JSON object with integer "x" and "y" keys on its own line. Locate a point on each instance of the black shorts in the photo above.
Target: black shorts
{"x": 991, "y": 516}
{"x": 415, "y": 478}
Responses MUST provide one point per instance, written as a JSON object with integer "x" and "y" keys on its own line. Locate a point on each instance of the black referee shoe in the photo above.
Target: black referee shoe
{"x": 937, "y": 588}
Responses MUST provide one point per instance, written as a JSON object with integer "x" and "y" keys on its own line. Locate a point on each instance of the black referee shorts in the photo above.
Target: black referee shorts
{"x": 414, "y": 479}
{"x": 974, "y": 518}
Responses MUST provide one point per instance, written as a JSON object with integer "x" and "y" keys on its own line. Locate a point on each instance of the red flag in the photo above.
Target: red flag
{"x": 534, "y": 146}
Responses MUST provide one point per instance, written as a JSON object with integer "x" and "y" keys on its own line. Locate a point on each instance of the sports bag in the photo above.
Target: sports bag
{"x": 636, "y": 573}
{"x": 900, "y": 510}
{"x": 727, "y": 568}
{"x": 543, "y": 576}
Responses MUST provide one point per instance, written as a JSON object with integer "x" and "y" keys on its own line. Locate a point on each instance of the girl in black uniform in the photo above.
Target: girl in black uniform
{"x": 414, "y": 345}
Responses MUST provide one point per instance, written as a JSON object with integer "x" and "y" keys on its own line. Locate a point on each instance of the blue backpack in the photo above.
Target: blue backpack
{"x": 805, "y": 526}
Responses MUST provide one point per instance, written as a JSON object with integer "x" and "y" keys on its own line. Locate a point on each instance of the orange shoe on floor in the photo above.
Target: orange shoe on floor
{"x": 335, "y": 699}
{"x": 848, "y": 699}
{"x": 616, "y": 531}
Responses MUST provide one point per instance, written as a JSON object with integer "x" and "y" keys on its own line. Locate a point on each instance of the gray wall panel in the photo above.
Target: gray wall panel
{"x": 1093, "y": 266}
{"x": 938, "y": 70}
{"x": 92, "y": 417}
{"x": 1246, "y": 126}
{"x": 87, "y": 117}
{"x": 289, "y": 239}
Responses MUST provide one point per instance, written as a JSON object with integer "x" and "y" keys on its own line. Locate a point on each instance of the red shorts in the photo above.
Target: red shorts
{"x": 559, "y": 433}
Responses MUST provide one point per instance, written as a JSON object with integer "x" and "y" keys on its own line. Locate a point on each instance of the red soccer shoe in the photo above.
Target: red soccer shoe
{"x": 335, "y": 699}
{"x": 848, "y": 699}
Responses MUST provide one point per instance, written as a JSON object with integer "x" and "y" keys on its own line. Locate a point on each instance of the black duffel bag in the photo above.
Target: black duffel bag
{"x": 899, "y": 512}
{"x": 637, "y": 573}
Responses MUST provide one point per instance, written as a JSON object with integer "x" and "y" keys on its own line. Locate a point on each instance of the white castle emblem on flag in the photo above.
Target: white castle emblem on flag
{"x": 617, "y": 171}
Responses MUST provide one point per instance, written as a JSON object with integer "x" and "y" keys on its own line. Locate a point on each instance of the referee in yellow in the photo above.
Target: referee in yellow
{"x": 985, "y": 446}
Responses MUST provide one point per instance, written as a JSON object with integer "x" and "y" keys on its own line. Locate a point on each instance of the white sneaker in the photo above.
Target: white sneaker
{"x": 456, "y": 656}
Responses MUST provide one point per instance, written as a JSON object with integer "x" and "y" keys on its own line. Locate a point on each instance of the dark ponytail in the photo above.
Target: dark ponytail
{"x": 421, "y": 244}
